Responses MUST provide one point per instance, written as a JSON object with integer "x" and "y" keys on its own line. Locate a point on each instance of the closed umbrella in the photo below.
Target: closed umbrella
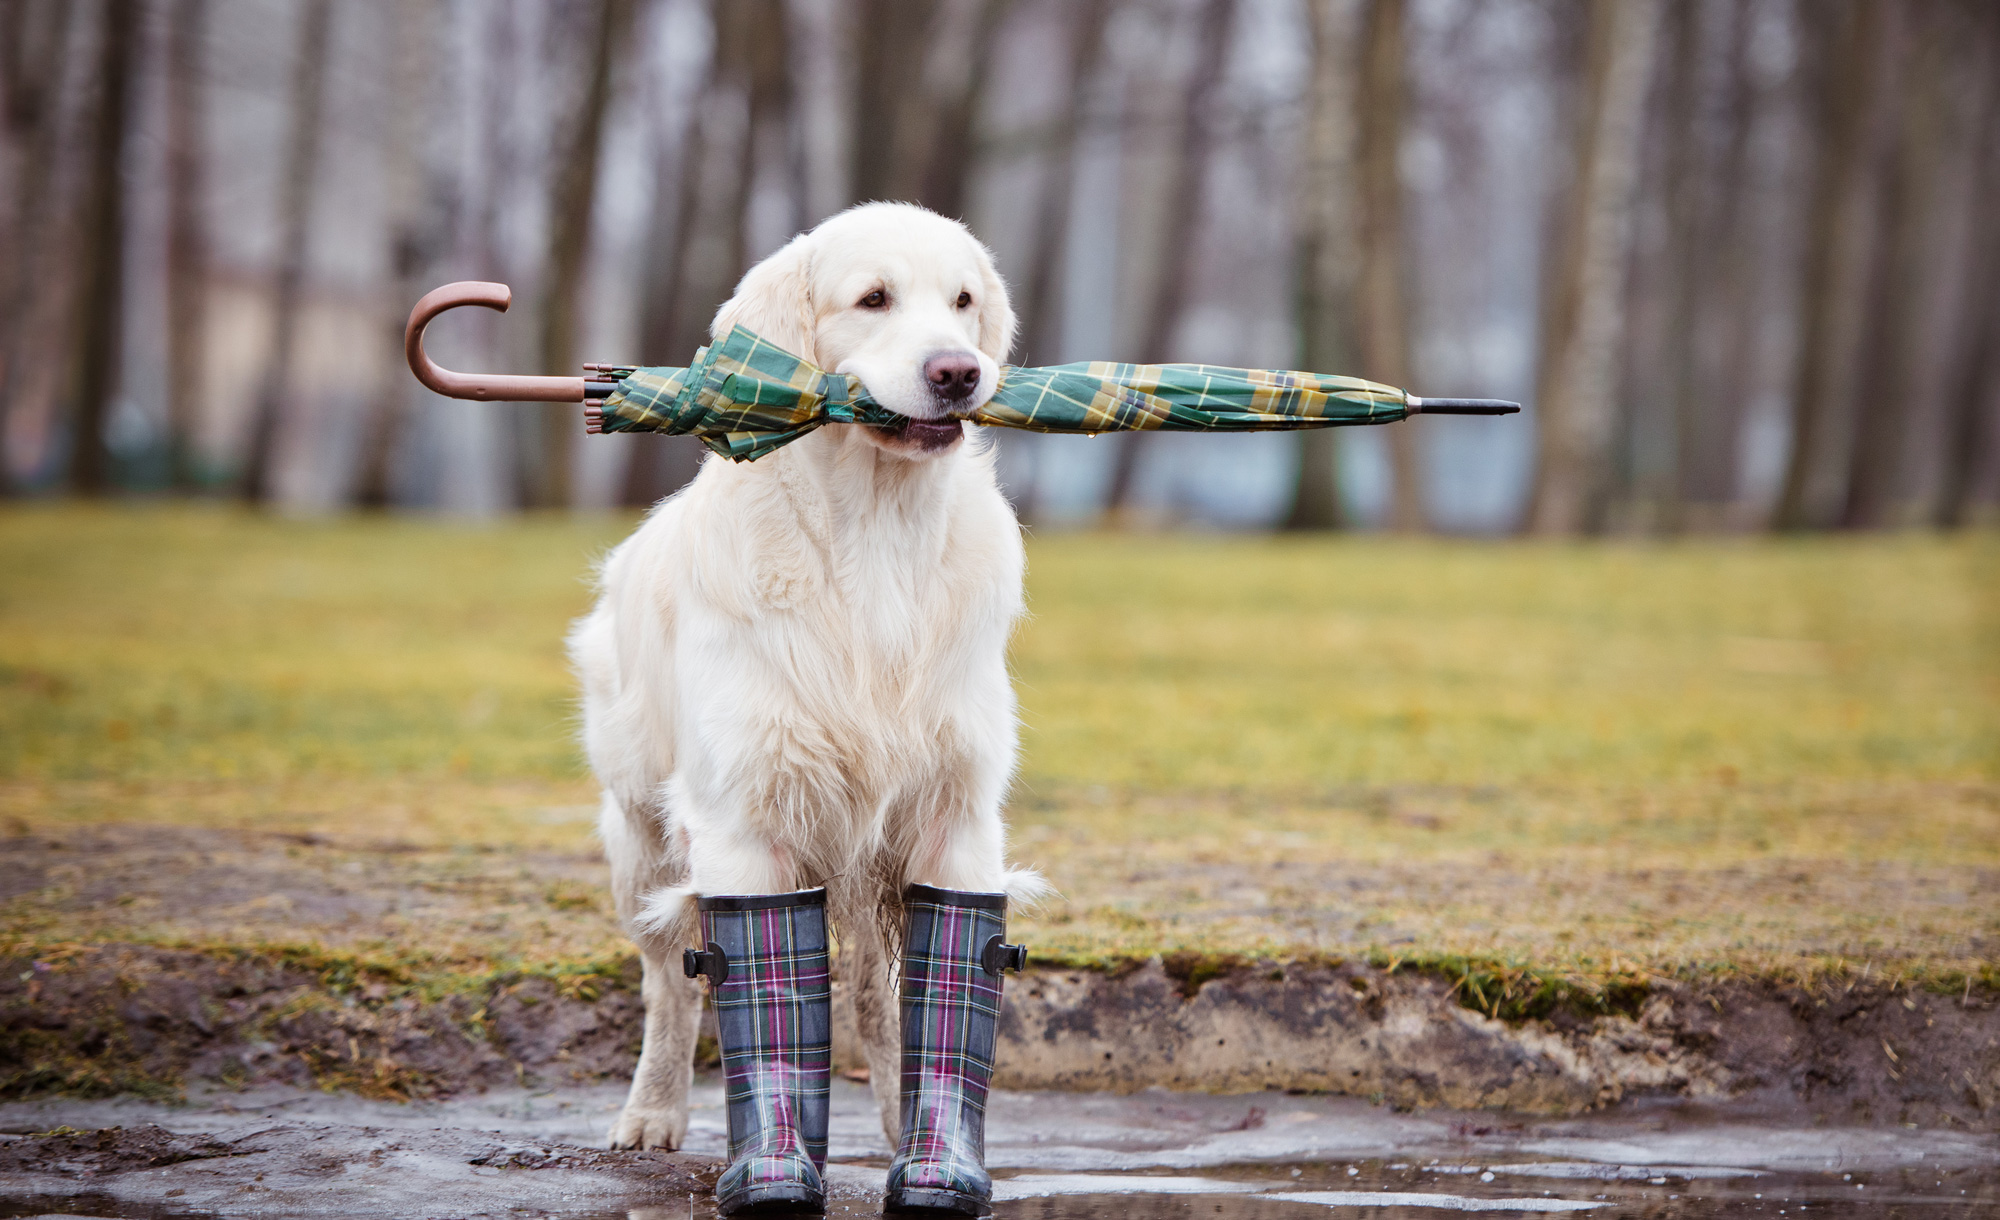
{"x": 744, "y": 396}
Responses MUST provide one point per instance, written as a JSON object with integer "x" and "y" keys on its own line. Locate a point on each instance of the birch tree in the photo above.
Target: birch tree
{"x": 572, "y": 205}
{"x": 660, "y": 465}
{"x": 1840, "y": 236}
{"x": 1325, "y": 248}
{"x": 1577, "y": 375}
{"x": 1174, "y": 258}
{"x": 1901, "y": 280}
{"x": 1041, "y": 320}
{"x": 1384, "y": 317}
{"x": 301, "y": 166}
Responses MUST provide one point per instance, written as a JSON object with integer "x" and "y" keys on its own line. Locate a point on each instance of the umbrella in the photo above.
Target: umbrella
{"x": 744, "y": 396}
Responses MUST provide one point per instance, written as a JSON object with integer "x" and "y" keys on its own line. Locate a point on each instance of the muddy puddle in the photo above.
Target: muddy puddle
{"x": 1055, "y": 1156}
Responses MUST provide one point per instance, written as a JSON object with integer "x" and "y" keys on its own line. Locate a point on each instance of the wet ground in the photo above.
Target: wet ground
{"x": 1054, "y": 1157}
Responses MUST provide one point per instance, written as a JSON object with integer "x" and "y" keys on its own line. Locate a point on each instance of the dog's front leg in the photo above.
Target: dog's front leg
{"x": 656, "y": 1110}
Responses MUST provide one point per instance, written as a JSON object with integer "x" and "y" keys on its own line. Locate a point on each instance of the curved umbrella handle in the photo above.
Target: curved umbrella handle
{"x": 483, "y": 387}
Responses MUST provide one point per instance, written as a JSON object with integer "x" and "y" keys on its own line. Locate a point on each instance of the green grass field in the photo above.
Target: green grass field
{"x": 1780, "y": 755}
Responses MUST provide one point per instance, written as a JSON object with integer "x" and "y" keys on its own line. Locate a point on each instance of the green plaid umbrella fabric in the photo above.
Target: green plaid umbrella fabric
{"x": 745, "y": 397}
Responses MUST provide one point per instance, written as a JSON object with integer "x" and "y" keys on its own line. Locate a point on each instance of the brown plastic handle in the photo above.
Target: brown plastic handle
{"x": 483, "y": 387}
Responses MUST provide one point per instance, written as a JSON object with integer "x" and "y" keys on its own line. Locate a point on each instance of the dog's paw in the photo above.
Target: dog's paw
{"x": 640, "y": 1128}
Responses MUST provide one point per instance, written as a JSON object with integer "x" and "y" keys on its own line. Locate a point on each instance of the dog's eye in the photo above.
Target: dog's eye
{"x": 964, "y": 299}
{"x": 875, "y": 300}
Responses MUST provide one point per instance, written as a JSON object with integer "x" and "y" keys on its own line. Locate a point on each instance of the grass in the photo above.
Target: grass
{"x": 1567, "y": 760}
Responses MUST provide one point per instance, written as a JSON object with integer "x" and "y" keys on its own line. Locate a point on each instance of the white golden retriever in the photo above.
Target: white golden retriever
{"x": 795, "y": 674}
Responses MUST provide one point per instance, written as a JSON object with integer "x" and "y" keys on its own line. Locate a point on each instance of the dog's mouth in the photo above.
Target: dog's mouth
{"x": 928, "y": 435}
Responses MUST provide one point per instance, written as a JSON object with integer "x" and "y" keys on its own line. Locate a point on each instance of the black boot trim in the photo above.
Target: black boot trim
{"x": 954, "y": 898}
{"x": 763, "y": 902}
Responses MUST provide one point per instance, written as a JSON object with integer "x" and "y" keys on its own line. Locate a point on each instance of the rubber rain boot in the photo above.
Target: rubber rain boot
{"x": 766, "y": 965}
{"x": 953, "y": 956}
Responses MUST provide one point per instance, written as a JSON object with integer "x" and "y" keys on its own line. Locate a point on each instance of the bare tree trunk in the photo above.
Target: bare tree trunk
{"x": 749, "y": 92}
{"x": 753, "y": 46}
{"x": 890, "y": 104}
{"x": 1839, "y": 238}
{"x": 1383, "y": 315}
{"x": 23, "y": 88}
{"x": 294, "y": 235}
{"x": 36, "y": 40}
{"x": 948, "y": 167}
{"x": 417, "y": 234}
{"x": 1040, "y": 301}
{"x": 571, "y": 209}
{"x": 486, "y": 474}
{"x": 1325, "y": 253}
{"x": 187, "y": 237}
{"x": 1577, "y": 377}
{"x": 100, "y": 332}
{"x": 669, "y": 237}
{"x": 713, "y": 241}
{"x": 913, "y": 135}
{"x": 1041, "y": 315}
{"x": 1972, "y": 387}
{"x": 1897, "y": 283}
{"x": 660, "y": 465}
{"x": 1713, "y": 396}
{"x": 1183, "y": 204}
{"x": 765, "y": 51}
{"x": 33, "y": 36}
{"x": 1686, "y": 187}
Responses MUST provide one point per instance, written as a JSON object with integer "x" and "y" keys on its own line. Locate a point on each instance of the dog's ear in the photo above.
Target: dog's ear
{"x": 774, "y": 299}
{"x": 996, "y": 312}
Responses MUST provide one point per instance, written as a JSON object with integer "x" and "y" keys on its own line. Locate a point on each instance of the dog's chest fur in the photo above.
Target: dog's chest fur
{"x": 837, "y": 624}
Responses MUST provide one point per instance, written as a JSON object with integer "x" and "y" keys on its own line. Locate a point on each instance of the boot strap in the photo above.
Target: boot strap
{"x": 712, "y": 962}
{"x": 998, "y": 957}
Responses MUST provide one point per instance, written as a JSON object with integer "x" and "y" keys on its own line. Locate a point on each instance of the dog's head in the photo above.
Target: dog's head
{"x": 899, "y": 296}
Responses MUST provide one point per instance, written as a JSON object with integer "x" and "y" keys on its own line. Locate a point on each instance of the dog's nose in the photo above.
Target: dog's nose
{"x": 953, "y": 376}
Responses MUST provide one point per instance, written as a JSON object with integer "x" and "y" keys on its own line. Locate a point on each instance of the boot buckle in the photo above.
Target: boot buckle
{"x": 998, "y": 957}
{"x": 712, "y": 962}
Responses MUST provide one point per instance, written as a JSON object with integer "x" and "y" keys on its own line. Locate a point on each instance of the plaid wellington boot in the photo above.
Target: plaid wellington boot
{"x": 766, "y": 965}
{"x": 952, "y": 959}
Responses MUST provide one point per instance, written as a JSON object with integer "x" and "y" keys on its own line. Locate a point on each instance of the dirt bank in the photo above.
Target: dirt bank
{"x": 128, "y": 1018}
{"x": 1871, "y": 1054}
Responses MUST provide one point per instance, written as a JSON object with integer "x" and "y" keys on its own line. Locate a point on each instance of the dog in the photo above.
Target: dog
{"x": 795, "y": 672}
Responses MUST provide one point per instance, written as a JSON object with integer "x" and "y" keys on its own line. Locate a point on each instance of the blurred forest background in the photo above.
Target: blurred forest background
{"x": 1741, "y": 258}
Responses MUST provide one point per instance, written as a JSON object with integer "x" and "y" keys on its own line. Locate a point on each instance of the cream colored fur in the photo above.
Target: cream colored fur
{"x": 795, "y": 674}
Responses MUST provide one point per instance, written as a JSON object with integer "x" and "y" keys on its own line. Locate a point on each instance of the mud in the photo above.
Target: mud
{"x": 1056, "y": 1156}
{"x": 320, "y": 1169}
{"x": 128, "y": 1018}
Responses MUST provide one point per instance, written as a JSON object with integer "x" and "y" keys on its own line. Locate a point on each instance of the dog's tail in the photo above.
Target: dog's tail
{"x": 662, "y": 909}
{"x": 1026, "y": 889}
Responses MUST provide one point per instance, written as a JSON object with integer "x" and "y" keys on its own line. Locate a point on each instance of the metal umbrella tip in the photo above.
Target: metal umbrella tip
{"x": 1462, "y": 406}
